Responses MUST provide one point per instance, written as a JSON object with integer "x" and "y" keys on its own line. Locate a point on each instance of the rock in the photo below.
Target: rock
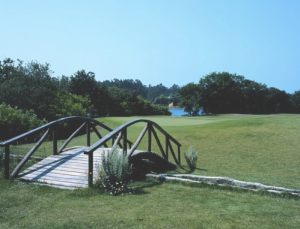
{"x": 226, "y": 181}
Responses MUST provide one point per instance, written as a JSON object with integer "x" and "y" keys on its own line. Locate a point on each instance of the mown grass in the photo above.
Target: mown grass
{"x": 261, "y": 148}
{"x": 255, "y": 148}
{"x": 160, "y": 206}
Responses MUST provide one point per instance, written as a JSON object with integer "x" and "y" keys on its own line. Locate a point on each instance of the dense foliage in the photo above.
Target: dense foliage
{"x": 14, "y": 121}
{"x": 135, "y": 86}
{"x": 68, "y": 104}
{"x": 296, "y": 100}
{"x": 229, "y": 93}
{"x": 32, "y": 86}
{"x": 116, "y": 97}
{"x": 157, "y": 94}
{"x": 27, "y": 86}
{"x": 190, "y": 96}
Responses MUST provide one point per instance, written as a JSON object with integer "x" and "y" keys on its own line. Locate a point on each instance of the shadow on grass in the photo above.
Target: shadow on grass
{"x": 199, "y": 169}
{"x": 139, "y": 186}
{"x": 187, "y": 170}
{"x": 136, "y": 188}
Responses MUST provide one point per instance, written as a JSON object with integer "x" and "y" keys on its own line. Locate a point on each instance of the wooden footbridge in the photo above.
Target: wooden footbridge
{"x": 76, "y": 167}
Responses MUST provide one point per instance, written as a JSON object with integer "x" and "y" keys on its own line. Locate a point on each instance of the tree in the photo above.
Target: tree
{"x": 221, "y": 92}
{"x": 163, "y": 100}
{"x": 135, "y": 86}
{"x": 32, "y": 86}
{"x": 296, "y": 101}
{"x": 155, "y": 91}
{"x": 253, "y": 96}
{"x": 64, "y": 84}
{"x": 191, "y": 98}
{"x": 27, "y": 86}
{"x": 230, "y": 93}
{"x": 278, "y": 101}
{"x": 68, "y": 104}
{"x": 14, "y": 121}
{"x": 84, "y": 83}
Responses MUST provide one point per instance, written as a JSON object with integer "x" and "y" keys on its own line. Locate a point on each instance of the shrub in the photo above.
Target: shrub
{"x": 14, "y": 121}
{"x": 68, "y": 104}
{"x": 191, "y": 158}
{"x": 27, "y": 86}
{"x": 114, "y": 172}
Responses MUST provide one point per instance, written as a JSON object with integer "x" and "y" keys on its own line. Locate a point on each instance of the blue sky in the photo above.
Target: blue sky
{"x": 157, "y": 41}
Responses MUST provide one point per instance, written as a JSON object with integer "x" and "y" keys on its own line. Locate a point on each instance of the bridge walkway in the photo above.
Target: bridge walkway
{"x": 68, "y": 170}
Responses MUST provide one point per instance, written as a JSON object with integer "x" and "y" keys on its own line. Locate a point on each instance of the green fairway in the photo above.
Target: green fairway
{"x": 261, "y": 148}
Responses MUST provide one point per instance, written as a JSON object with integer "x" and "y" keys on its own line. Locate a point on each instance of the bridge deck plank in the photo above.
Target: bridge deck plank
{"x": 68, "y": 170}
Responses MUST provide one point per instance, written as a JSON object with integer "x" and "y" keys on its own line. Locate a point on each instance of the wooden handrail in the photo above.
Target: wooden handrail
{"x": 158, "y": 142}
{"x": 28, "y": 155}
{"x": 52, "y": 124}
{"x": 71, "y": 137}
{"x": 110, "y": 135}
{"x": 47, "y": 128}
{"x": 98, "y": 134}
{"x": 116, "y": 142}
{"x": 138, "y": 141}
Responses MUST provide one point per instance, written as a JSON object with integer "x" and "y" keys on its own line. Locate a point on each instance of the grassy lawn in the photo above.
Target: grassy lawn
{"x": 261, "y": 148}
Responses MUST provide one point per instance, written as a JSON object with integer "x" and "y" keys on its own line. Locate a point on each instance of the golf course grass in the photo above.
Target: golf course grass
{"x": 260, "y": 148}
{"x": 257, "y": 148}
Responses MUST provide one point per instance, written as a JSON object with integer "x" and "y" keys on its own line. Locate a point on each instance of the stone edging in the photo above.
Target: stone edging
{"x": 225, "y": 181}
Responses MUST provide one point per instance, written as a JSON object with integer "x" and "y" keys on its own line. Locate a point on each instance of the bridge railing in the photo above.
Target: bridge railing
{"x": 170, "y": 146}
{"x": 49, "y": 131}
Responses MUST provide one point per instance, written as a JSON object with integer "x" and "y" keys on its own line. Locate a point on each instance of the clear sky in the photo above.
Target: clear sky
{"x": 157, "y": 41}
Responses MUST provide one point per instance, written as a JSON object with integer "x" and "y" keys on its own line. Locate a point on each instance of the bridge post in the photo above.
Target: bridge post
{"x": 167, "y": 147}
{"x": 112, "y": 141}
{"x": 91, "y": 166}
{"x": 179, "y": 159}
{"x": 54, "y": 140}
{"x": 149, "y": 137}
{"x": 124, "y": 141}
{"x": 6, "y": 161}
{"x": 88, "y": 134}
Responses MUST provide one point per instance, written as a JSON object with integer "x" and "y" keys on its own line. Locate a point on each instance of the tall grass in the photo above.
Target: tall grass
{"x": 191, "y": 157}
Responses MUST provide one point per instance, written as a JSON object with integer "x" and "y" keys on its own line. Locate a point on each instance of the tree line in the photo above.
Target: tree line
{"x": 33, "y": 87}
{"x": 223, "y": 92}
